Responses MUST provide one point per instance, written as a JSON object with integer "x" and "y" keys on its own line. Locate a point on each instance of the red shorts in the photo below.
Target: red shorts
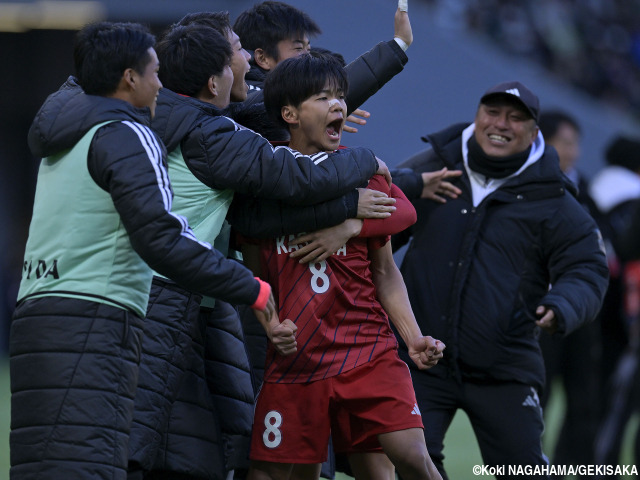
{"x": 293, "y": 421}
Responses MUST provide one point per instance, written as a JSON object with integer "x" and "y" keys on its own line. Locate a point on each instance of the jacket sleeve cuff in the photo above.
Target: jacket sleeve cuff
{"x": 403, "y": 45}
{"x": 351, "y": 202}
{"x": 561, "y": 325}
{"x": 408, "y": 181}
{"x": 399, "y": 52}
{"x": 263, "y": 295}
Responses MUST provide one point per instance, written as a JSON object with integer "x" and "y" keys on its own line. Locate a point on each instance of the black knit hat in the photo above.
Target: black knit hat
{"x": 517, "y": 91}
{"x": 624, "y": 152}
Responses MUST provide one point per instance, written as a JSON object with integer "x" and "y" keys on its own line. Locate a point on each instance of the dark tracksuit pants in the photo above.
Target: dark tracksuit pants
{"x": 506, "y": 418}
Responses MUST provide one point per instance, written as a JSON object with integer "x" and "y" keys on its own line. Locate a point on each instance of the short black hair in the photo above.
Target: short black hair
{"x": 104, "y": 50}
{"x": 296, "y": 79}
{"x": 189, "y": 55}
{"x": 217, "y": 20}
{"x": 267, "y": 23}
{"x": 336, "y": 55}
{"x": 551, "y": 120}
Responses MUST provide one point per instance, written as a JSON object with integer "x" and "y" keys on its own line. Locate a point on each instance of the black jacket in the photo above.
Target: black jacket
{"x": 475, "y": 275}
{"x": 213, "y": 410}
{"x": 119, "y": 163}
{"x": 223, "y": 154}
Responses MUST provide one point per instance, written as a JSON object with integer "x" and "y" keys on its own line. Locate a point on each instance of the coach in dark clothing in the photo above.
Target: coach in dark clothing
{"x": 514, "y": 252}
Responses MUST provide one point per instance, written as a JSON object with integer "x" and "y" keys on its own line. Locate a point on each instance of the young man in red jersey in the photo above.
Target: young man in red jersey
{"x": 341, "y": 374}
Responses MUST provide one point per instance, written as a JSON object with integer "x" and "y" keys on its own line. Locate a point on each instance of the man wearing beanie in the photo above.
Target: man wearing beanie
{"x": 513, "y": 254}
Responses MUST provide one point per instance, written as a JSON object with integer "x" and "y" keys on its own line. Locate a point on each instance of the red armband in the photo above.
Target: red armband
{"x": 263, "y": 295}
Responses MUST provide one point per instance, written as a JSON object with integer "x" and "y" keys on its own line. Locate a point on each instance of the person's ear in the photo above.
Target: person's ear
{"x": 209, "y": 90}
{"x": 263, "y": 60}
{"x": 212, "y": 86}
{"x": 130, "y": 78}
{"x": 535, "y": 134}
{"x": 289, "y": 114}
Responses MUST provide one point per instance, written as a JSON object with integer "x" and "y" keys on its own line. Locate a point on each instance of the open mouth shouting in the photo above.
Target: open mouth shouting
{"x": 334, "y": 129}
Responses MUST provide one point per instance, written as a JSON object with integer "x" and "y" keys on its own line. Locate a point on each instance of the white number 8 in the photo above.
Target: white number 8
{"x": 317, "y": 273}
{"x": 272, "y": 421}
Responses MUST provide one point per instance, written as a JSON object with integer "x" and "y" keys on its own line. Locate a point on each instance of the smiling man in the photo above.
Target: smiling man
{"x": 513, "y": 253}
{"x": 102, "y": 220}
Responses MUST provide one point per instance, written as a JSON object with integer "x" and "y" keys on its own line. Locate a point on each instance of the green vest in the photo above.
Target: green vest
{"x": 77, "y": 245}
{"x": 204, "y": 208}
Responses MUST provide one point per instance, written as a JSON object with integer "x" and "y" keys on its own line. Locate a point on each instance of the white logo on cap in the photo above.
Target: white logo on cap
{"x": 513, "y": 91}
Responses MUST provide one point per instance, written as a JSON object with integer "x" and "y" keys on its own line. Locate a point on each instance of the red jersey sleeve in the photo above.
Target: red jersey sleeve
{"x": 404, "y": 216}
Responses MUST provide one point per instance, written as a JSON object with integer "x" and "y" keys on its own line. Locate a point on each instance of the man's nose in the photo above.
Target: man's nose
{"x": 335, "y": 104}
{"x": 501, "y": 120}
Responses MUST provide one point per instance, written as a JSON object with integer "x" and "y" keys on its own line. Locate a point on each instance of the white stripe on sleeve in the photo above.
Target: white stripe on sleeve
{"x": 150, "y": 144}
{"x": 154, "y": 152}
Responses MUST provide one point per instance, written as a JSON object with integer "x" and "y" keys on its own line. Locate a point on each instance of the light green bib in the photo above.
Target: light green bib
{"x": 77, "y": 245}
{"x": 204, "y": 208}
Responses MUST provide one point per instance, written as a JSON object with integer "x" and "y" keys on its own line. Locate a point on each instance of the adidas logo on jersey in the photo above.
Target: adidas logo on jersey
{"x": 416, "y": 410}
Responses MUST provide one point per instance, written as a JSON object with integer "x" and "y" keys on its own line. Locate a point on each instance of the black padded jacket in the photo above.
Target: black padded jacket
{"x": 475, "y": 274}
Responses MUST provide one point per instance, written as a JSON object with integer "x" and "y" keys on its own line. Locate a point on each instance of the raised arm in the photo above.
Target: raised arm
{"x": 372, "y": 70}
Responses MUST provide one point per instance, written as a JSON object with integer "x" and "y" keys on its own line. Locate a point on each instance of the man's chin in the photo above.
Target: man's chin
{"x": 331, "y": 146}
{"x": 496, "y": 152}
{"x": 240, "y": 96}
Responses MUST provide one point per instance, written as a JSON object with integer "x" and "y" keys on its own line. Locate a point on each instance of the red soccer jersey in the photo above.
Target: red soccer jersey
{"x": 341, "y": 324}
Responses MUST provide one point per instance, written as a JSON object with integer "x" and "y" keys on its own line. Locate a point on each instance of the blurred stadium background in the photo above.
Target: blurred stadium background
{"x": 579, "y": 55}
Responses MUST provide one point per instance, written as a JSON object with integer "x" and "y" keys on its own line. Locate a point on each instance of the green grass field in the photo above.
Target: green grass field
{"x": 460, "y": 445}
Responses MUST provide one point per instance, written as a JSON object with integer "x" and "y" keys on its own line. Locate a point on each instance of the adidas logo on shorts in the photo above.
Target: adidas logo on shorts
{"x": 416, "y": 410}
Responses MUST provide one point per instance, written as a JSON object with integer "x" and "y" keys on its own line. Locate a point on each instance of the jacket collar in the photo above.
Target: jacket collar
{"x": 447, "y": 144}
